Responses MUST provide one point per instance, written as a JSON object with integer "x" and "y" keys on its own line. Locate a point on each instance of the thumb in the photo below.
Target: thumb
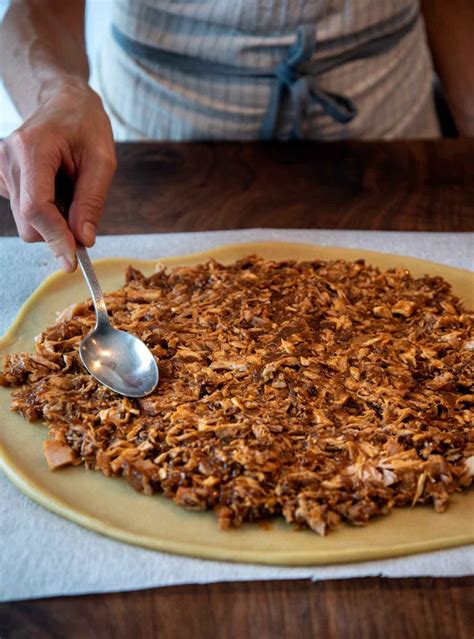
{"x": 91, "y": 188}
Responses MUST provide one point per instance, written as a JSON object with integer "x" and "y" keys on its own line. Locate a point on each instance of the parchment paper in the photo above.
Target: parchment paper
{"x": 44, "y": 555}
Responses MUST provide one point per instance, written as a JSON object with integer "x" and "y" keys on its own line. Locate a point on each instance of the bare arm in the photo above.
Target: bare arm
{"x": 65, "y": 125}
{"x": 46, "y": 47}
{"x": 450, "y": 28}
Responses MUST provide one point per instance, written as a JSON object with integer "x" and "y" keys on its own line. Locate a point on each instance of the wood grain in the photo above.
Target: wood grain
{"x": 414, "y": 185}
{"x": 371, "y": 608}
{"x": 424, "y": 186}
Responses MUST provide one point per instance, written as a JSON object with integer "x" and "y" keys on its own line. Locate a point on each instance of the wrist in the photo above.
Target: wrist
{"x": 61, "y": 84}
{"x": 45, "y": 88}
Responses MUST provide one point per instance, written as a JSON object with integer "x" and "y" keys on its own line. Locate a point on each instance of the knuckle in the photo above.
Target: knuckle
{"x": 113, "y": 161}
{"x": 112, "y": 165}
{"x": 107, "y": 159}
{"x": 24, "y": 139}
{"x": 92, "y": 205}
{"x": 20, "y": 139}
{"x": 28, "y": 235}
{"x": 30, "y": 212}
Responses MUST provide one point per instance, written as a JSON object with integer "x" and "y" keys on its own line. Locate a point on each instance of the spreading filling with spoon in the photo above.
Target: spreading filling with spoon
{"x": 322, "y": 391}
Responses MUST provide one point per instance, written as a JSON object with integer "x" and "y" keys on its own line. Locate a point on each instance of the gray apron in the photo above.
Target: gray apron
{"x": 295, "y": 81}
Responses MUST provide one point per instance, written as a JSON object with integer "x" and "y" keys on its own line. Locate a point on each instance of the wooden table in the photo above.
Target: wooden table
{"x": 419, "y": 186}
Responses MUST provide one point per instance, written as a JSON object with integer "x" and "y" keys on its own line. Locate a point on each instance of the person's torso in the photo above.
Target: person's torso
{"x": 203, "y": 69}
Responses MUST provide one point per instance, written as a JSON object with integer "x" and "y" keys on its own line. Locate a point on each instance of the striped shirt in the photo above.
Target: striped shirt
{"x": 247, "y": 69}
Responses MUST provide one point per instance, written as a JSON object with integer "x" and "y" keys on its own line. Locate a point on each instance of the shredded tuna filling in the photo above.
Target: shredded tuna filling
{"x": 321, "y": 391}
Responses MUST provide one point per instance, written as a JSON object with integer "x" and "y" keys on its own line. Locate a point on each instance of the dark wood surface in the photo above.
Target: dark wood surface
{"x": 187, "y": 187}
{"x": 348, "y": 609}
{"x": 420, "y": 186}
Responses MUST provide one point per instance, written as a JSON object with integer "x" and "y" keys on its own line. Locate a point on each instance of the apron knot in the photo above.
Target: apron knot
{"x": 293, "y": 83}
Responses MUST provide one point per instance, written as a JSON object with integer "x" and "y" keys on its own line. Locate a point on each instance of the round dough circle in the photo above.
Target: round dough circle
{"x": 110, "y": 506}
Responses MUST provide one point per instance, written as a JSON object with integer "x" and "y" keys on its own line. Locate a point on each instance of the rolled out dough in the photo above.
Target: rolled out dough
{"x": 110, "y": 507}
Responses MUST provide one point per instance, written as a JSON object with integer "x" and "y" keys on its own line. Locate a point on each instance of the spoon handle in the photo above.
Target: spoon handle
{"x": 64, "y": 190}
{"x": 93, "y": 284}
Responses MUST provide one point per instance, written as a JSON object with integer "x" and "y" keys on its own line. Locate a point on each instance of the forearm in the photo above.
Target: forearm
{"x": 65, "y": 126}
{"x": 46, "y": 49}
{"x": 450, "y": 29}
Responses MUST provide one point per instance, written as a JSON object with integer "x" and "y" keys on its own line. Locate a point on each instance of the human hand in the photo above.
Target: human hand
{"x": 69, "y": 131}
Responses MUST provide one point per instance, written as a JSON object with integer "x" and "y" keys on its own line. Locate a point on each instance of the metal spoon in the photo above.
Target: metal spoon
{"x": 117, "y": 359}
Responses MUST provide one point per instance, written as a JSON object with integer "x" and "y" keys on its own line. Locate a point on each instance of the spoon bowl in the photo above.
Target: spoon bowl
{"x": 118, "y": 360}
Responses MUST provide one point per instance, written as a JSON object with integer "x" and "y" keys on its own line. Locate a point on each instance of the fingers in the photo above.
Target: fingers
{"x": 48, "y": 222}
{"x": 60, "y": 134}
{"x": 10, "y": 179}
{"x": 35, "y": 214}
{"x": 95, "y": 176}
{"x": 27, "y": 232}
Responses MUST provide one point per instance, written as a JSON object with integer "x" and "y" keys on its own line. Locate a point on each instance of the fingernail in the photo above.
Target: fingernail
{"x": 88, "y": 233}
{"x": 66, "y": 263}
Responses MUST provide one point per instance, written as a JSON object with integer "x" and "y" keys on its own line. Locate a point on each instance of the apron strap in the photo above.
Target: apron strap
{"x": 295, "y": 78}
{"x": 291, "y": 82}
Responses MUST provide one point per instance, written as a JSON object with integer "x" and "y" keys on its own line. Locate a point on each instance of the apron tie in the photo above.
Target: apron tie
{"x": 292, "y": 82}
